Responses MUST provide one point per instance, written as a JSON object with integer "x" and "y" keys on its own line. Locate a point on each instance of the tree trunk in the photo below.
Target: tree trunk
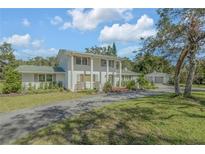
{"x": 190, "y": 77}
{"x": 178, "y": 69}
{"x": 176, "y": 85}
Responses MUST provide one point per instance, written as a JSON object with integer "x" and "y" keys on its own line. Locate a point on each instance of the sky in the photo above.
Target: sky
{"x": 42, "y": 32}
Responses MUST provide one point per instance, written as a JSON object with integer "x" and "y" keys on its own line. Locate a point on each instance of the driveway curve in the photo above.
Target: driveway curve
{"x": 21, "y": 122}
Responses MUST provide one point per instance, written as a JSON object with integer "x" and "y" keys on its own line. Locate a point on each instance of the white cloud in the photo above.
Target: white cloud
{"x": 83, "y": 19}
{"x": 128, "y": 32}
{"x": 53, "y": 50}
{"x": 37, "y": 44}
{"x": 27, "y": 47}
{"x": 56, "y": 20}
{"x": 25, "y": 22}
{"x": 128, "y": 51}
{"x": 65, "y": 26}
{"x": 18, "y": 40}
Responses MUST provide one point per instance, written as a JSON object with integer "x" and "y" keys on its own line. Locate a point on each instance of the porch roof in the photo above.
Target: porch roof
{"x": 39, "y": 69}
{"x": 128, "y": 72}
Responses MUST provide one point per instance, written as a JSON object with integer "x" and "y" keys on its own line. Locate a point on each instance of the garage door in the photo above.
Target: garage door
{"x": 159, "y": 79}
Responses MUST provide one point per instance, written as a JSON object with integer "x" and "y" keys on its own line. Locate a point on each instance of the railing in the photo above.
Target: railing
{"x": 86, "y": 85}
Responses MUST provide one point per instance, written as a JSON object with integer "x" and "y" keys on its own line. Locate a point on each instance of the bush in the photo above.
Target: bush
{"x": 60, "y": 84}
{"x": 142, "y": 81}
{"x": 30, "y": 88}
{"x": 89, "y": 91}
{"x": 50, "y": 85}
{"x": 41, "y": 85}
{"x": 55, "y": 85}
{"x": 46, "y": 86}
{"x": 171, "y": 81}
{"x": 131, "y": 85}
{"x": 12, "y": 82}
{"x": 107, "y": 87}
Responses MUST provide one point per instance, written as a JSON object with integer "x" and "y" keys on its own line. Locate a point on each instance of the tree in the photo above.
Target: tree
{"x": 148, "y": 63}
{"x": 39, "y": 61}
{"x": 180, "y": 35}
{"x": 200, "y": 72}
{"x": 12, "y": 82}
{"x": 6, "y": 58}
{"x": 110, "y": 51}
{"x": 127, "y": 63}
{"x": 114, "y": 49}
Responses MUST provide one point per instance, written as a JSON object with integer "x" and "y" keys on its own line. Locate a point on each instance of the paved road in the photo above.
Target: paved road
{"x": 21, "y": 122}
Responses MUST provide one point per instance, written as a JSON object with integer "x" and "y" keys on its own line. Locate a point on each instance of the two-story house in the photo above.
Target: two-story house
{"x": 78, "y": 71}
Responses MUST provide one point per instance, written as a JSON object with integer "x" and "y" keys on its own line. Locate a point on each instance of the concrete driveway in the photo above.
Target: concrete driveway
{"x": 21, "y": 122}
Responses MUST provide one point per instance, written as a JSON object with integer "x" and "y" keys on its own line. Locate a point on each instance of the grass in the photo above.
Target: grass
{"x": 164, "y": 119}
{"x": 194, "y": 85}
{"x": 11, "y": 103}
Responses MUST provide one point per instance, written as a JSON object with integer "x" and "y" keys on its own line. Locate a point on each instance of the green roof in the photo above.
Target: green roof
{"x": 39, "y": 69}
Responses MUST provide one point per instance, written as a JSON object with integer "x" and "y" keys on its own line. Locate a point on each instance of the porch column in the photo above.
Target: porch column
{"x": 120, "y": 80}
{"x": 107, "y": 70}
{"x": 72, "y": 78}
{"x": 91, "y": 73}
{"x": 114, "y": 74}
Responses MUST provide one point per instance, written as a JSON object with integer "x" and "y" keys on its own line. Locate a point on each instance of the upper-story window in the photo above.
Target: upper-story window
{"x": 78, "y": 60}
{"x": 81, "y": 60}
{"x": 103, "y": 62}
{"x": 117, "y": 65}
{"x": 111, "y": 63}
{"x": 85, "y": 61}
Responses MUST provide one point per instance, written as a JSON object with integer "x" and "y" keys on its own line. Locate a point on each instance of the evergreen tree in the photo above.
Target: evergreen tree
{"x": 114, "y": 50}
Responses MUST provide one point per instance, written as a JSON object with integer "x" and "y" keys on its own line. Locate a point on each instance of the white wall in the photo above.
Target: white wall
{"x": 28, "y": 78}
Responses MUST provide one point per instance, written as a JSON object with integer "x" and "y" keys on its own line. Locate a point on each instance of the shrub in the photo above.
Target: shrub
{"x": 88, "y": 91}
{"x": 50, "y": 85}
{"x": 55, "y": 85}
{"x": 60, "y": 84}
{"x": 107, "y": 87}
{"x": 46, "y": 86}
{"x": 131, "y": 85}
{"x": 12, "y": 82}
{"x": 30, "y": 88}
{"x": 171, "y": 81}
{"x": 41, "y": 85}
{"x": 143, "y": 83}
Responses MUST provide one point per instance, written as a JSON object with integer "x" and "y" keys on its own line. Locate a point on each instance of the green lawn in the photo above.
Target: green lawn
{"x": 161, "y": 119}
{"x": 10, "y": 103}
{"x": 195, "y": 85}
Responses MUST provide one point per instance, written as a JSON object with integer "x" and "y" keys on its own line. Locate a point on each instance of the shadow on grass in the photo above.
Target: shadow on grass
{"x": 125, "y": 123}
{"x": 88, "y": 129}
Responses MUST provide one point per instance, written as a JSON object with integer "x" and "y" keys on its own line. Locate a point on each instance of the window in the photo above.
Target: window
{"x": 49, "y": 78}
{"x": 111, "y": 63}
{"x": 117, "y": 65}
{"x": 103, "y": 62}
{"x": 41, "y": 77}
{"x": 78, "y": 60}
{"x": 85, "y": 61}
{"x": 35, "y": 77}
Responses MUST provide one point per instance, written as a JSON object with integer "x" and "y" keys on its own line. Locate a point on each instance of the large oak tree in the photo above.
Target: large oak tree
{"x": 180, "y": 36}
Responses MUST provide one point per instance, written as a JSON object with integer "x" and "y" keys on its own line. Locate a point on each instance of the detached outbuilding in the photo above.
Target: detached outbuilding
{"x": 158, "y": 77}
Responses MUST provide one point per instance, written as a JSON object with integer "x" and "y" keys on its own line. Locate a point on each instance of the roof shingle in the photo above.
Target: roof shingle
{"x": 39, "y": 69}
